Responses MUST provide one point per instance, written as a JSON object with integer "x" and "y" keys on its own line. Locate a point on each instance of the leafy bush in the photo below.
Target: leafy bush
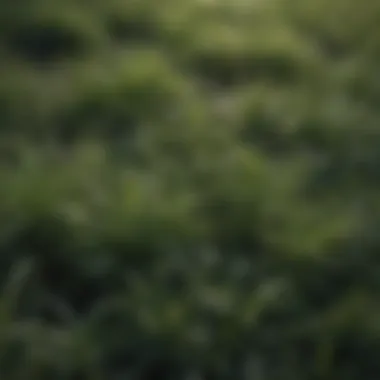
{"x": 189, "y": 190}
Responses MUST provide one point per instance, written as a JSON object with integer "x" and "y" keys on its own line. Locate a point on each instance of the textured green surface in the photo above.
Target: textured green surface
{"x": 189, "y": 189}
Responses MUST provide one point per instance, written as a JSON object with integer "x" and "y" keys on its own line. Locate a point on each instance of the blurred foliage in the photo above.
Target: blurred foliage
{"x": 189, "y": 189}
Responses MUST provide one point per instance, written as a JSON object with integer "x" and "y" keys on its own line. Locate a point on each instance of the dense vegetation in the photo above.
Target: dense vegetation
{"x": 189, "y": 189}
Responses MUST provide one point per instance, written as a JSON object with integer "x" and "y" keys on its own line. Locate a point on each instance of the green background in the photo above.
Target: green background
{"x": 189, "y": 189}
